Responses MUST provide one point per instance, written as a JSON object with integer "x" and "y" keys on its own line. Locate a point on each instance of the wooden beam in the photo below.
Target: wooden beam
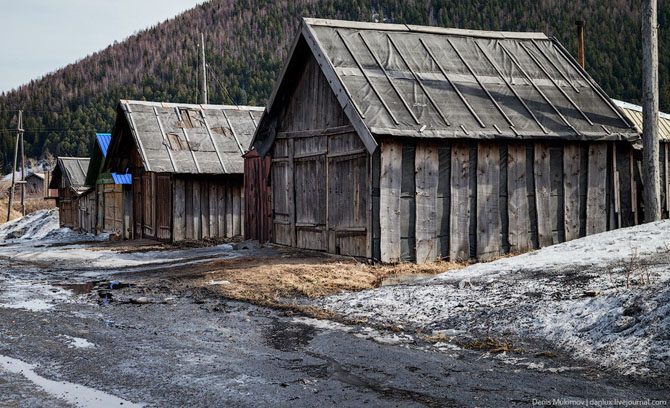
{"x": 488, "y": 204}
{"x": 459, "y": 236}
{"x": 427, "y": 173}
{"x": 390, "y": 179}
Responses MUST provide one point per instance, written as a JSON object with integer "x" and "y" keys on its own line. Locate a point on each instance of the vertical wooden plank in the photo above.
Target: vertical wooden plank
{"x": 427, "y": 172}
{"x": 408, "y": 203}
{"x": 389, "y": 201}
{"x": 571, "y": 161}
{"x": 213, "y": 209}
{"x": 444, "y": 198}
{"x": 616, "y": 186}
{"x": 376, "y": 205}
{"x": 179, "y": 213}
{"x": 229, "y": 211}
{"x": 188, "y": 195}
{"x": 596, "y": 206}
{"x": 517, "y": 204}
{"x": 290, "y": 187}
{"x": 197, "y": 230}
{"x": 557, "y": 194}
{"x": 459, "y": 236}
{"x": 221, "y": 209}
{"x": 488, "y": 201}
{"x": 204, "y": 209}
{"x": 154, "y": 206}
{"x": 542, "y": 175}
{"x": 242, "y": 210}
{"x": 236, "y": 211}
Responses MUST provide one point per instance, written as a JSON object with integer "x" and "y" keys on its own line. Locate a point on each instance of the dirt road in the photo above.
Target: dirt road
{"x": 75, "y": 334}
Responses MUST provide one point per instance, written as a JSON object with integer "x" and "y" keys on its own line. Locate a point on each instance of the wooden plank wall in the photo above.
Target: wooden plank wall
{"x": 110, "y": 208}
{"x": 257, "y": 198}
{"x": 206, "y": 208}
{"x": 321, "y": 188}
{"x": 504, "y": 198}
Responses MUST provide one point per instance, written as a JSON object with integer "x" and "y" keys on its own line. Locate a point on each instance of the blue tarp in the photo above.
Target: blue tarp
{"x": 103, "y": 142}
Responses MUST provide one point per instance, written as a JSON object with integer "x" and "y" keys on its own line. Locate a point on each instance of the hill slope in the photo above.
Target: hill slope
{"x": 247, "y": 41}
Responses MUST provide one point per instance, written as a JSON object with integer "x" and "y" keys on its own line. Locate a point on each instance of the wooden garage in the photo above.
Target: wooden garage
{"x": 186, "y": 166}
{"x": 407, "y": 143}
{"x": 69, "y": 177}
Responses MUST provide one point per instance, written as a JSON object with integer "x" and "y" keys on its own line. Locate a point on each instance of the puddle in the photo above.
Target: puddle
{"x": 78, "y": 288}
{"x": 405, "y": 279}
{"x": 78, "y": 342}
{"x": 78, "y": 395}
{"x": 284, "y": 336}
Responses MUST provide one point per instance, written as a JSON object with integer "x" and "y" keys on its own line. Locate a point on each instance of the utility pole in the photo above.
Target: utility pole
{"x": 650, "y": 163}
{"x": 22, "y": 182}
{"x": 580, "y": 43}
{"x": 203, "y": 93}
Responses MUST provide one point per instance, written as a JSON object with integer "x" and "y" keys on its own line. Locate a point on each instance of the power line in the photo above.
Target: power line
{"x": 223, "y": 88}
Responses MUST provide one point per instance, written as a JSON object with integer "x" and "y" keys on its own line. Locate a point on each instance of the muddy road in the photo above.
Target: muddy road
{"x": 74, "y": 333}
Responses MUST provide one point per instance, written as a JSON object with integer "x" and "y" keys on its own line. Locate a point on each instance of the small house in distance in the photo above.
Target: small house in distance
{"x": 186, "y": 166}
{"x": 69, "y": 177}
{"x": 108, "y": 194}
{"x": 408, "y": 143}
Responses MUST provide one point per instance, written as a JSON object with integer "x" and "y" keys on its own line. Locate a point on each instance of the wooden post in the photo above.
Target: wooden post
{"x": 16, "y": 154}
{"x": 203, "y": 93}
{"x": 650, "y": 168}
{"x": 23, "y": 166}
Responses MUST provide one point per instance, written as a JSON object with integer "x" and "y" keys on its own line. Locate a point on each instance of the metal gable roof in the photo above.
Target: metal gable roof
{"x": 74, "y": 170}
{"x": 412, "y": 81}
{"x": 191, "y": 139}
{"x": 634, "y": 114}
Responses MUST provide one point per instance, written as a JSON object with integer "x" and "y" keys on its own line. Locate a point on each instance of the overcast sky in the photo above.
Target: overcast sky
{"x": 40, "y": 36}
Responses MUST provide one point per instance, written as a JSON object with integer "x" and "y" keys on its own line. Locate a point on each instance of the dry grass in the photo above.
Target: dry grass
{"x": 269, "y": 280}
{"x": 492, "y": 345}
{"x": 32, "y": 203}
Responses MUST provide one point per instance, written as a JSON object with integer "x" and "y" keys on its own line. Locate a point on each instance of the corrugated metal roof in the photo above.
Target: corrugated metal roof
{"x": 192, "y": 139}
{"x": 103, "y": 141}
{"x": 74, "y": 170}
{"x": 122, "y": 178}
{"x": 634, "y": 114}
{"x": 447, "y": 83}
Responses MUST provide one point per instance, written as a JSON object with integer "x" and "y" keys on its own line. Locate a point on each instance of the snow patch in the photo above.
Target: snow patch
{"x": 77, "y": 342}
{"x": 603, "y": 298}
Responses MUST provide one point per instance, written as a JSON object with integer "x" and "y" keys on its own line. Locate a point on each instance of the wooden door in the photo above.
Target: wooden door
{"x": 163, "y": 197}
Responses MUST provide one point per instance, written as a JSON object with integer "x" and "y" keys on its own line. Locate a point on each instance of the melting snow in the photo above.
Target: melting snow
{"x": 604, "y": 298}
{"x": 78, "y": 342}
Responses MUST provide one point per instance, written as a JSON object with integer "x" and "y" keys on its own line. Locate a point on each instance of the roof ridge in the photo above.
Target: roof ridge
{"x": 192, "y": 105}
{"x": 425, "y": 29}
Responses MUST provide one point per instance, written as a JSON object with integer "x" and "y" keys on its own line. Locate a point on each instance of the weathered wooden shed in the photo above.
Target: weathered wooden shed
{"x": 186, "y": 166}
{"x": 69, "y": 177}
{"x": 107, "y": 193}
{"x": 407, "y": 143}
{"x": 634, "y": 114}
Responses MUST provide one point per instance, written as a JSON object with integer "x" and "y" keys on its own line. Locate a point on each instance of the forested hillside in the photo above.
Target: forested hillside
{"x": 247, "y": 41}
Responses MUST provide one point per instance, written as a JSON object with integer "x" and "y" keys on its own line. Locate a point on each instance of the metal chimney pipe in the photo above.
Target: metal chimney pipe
{"x": 580, "y": 43}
